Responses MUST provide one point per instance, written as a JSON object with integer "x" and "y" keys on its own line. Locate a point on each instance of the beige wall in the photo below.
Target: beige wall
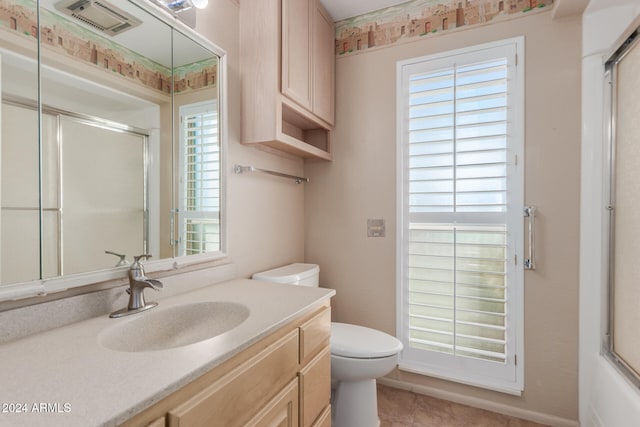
{"x": 361, "y": 183}
{"x": 265, "y": 215}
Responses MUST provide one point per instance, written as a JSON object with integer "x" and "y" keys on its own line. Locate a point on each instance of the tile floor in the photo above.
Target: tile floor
{"x": 399, "y": 408}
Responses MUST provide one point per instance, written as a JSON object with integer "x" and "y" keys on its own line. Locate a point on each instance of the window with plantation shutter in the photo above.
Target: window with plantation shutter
{"x": 199, "y": 211}
{"x": 460, "y": 121}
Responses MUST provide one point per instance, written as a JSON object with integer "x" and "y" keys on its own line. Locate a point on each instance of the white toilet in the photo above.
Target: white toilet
{"x": 359, "y": 355}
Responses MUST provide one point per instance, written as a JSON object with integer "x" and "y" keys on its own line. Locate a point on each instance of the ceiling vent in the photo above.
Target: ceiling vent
{"x": 99, "y": 14}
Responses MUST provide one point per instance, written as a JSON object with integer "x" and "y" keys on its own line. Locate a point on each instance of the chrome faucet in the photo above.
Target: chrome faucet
{"x": 137, "y": 283}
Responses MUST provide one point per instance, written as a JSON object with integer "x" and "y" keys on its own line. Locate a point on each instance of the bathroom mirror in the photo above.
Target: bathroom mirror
{"x": 110, "y": 138}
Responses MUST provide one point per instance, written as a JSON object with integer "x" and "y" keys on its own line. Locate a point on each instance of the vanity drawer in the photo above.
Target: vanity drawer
{"x": 315, "y": 388}
{"x": 315, "y": 333}
{"x": 236, "y": 397}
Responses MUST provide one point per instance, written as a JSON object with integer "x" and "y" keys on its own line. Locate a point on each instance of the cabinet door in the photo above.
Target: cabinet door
{"x": 296, "y": 51}
{"x": 282, "y": 411}
{"x": 315, "y": 388}
{"x": 324, "y": 420}
{"x": 323, "y": 64}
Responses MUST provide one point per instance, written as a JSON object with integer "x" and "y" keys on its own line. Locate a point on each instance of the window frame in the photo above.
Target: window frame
{"x": 510, "y": 379}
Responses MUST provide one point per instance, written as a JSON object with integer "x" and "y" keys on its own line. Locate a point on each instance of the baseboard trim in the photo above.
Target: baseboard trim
{"x": 538, "y": 417}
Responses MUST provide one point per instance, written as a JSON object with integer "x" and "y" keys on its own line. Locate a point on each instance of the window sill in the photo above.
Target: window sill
{"x": 512, "y": 388}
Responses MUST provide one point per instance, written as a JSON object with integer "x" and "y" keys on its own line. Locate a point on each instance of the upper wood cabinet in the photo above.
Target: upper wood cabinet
{"x": 287, "y": 66}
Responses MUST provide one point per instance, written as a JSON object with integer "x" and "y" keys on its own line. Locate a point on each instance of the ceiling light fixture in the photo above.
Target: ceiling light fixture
{"x": 184, "y": 10}
{"x": 200, "y": 4}
{"x": 178, "y": 6}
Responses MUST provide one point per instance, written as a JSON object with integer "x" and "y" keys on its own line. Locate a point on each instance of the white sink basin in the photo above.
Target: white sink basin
{"x": 170, "y": 327}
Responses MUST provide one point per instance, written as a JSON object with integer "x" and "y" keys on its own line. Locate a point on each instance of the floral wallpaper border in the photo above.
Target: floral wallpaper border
{"x": 423, "y": 18}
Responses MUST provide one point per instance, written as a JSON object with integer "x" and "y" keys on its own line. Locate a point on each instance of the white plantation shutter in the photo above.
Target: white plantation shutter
{"x": 457, "y": 289}
{"x": 199, "y": 226}
{"x": 468, "y": 133}
{"x": 461, "y": 218}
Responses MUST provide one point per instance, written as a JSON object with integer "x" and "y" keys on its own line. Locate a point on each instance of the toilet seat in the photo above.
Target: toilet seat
{"x": 359, "y": 342}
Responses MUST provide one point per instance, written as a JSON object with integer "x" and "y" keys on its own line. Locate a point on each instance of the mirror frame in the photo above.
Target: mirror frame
{"x": 65, "y": 286}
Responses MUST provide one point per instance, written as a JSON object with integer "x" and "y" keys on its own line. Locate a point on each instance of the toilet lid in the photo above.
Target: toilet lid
{"x": 362, "y": 343}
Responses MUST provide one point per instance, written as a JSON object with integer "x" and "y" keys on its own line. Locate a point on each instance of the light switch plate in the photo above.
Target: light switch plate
{"x": 375, "y": 228}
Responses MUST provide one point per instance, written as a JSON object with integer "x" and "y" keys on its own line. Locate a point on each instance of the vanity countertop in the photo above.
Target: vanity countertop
{"x": 65, "y": 377}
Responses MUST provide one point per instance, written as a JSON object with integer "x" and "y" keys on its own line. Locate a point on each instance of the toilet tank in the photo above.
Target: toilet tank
{"x": 292, "y": 274}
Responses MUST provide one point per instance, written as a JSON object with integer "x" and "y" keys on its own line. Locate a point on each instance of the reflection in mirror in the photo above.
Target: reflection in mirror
{"x": 107, "y": 88}
{"x": 20, "y": 226}
{"x": 198, "y": 149}
{"x": 89, "y": 170}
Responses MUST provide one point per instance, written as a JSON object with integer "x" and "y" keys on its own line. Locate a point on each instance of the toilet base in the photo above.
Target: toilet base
{"x": 355, "y": 404}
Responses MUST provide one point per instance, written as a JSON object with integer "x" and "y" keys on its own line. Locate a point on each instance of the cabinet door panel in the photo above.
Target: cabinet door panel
{"x": 324, "y": 420}
{"x": 323, "y": 64}
{"x": 314, "y": 335}
{"x": 282, "y": 411}
{"x": 315, "y": 388}
{"x": 296, "y": 51}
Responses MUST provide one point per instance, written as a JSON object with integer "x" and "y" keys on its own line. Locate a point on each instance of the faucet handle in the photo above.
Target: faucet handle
{"x": 123, "y": 258}
{"x": 136, "y": 259}
{"x": 136, "y": 270}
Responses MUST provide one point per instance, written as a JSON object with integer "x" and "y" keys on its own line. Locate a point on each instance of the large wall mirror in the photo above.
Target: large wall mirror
{"x": 110, "y": 138}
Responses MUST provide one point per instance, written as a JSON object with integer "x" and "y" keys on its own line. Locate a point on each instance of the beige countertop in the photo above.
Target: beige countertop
{"x": 66, "y": 377}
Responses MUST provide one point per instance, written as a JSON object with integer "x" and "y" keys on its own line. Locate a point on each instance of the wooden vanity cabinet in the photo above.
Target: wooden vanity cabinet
{"x": 287, "y": 65}
{"x": 283, "y": 380}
